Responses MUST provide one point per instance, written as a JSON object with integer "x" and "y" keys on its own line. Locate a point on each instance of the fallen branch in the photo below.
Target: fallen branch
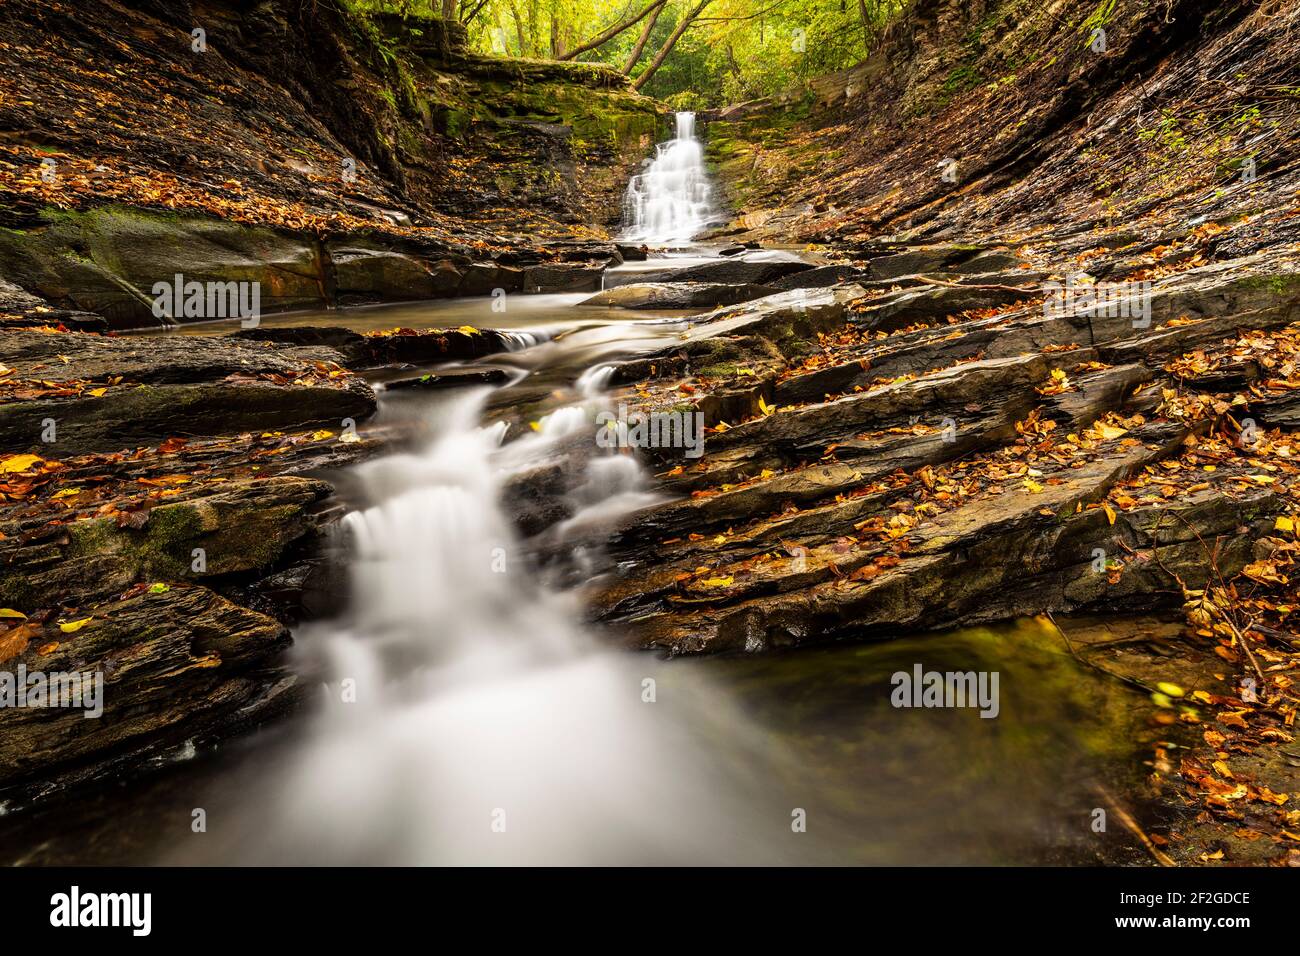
{"x": 962, "y": 285}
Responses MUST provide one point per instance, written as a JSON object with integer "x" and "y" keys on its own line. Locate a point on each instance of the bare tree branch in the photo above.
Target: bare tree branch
{"x": 613, "y": 31}
{"x": 667, "y": 48}
{"x": 641, "y": 41}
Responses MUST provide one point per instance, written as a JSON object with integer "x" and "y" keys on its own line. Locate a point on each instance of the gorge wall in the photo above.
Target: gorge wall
{"x": 332, "y": 157}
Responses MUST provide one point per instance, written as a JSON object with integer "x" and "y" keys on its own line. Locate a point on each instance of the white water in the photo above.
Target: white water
{"x": 670, "y": 202}
{"x": 488, "y": 725}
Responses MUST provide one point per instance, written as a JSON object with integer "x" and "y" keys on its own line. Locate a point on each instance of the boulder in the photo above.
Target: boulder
{"x": 483, "y": 278}
{"x": 108, "y": 259}
{"x": 563, "y": 277}
{"x": 631, "y": 253}
{"x": 364, "y": 273}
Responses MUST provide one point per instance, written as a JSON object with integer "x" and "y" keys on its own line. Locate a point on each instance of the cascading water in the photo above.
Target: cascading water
{"x": 467, "y": 715}
{"x": 670, "y": 202}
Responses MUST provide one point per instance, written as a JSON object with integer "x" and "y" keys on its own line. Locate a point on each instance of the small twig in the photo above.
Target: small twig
{"x": 1126, "y": 818}
{"x": 1250, "y": 655}
{"x": 1130, "y": 681}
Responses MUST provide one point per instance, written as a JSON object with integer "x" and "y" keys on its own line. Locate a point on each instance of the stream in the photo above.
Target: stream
{"x": 466, "y": 714}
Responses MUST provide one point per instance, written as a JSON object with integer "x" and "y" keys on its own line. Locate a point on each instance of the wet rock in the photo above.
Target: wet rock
{"x": 988, "y": 263}
{"x": 20, "y": 309}
{"x": 107, "y": 260}
{"x": 349, "y": 344}
{"x": 631, "y": 253}
{"x": 921, "y": 260}
{"x": 451, "y": 379}
{"x": 424, "y": 346}
{"x": 242, "y": 525}
{"x": 738, "y": 271}
{"x": 174, "y": 665}
{"x": 787, "y": 318}
{"x": 1002, "y": 557}
{"x": 677, "y": 295}
{"x": 413, "y": 346}
{"x": 484, "y": 278}
{"x": 168, "y": 386}
{"x": 821, "y": 277}
{"x": 364, "y": 273}
{"x": 563, "y": 277}
{"x": 930, "y": 303}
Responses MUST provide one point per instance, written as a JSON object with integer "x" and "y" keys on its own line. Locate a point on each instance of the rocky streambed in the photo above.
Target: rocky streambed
{"x": 902, "y": 441}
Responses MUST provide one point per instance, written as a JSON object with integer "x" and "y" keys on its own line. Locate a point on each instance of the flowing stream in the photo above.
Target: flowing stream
{"x": 466, "y": 713}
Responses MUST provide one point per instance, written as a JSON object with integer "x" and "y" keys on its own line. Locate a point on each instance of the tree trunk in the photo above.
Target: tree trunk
{"x": 519, "y": 28}
{"x": 866, "y": 24}
{"x": 613, "y": 31}
{"x": 641, "y": 41}
{"x": 449, "y": 9}
{"x": 667, "y": 48}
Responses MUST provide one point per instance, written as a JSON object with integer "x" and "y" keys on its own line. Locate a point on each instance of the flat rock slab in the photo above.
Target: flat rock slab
{"x": 390, "y": 347}
{"x": 677, "y": 295}
{"x": 738, "y": 271}
{"x": 117, "y": 393}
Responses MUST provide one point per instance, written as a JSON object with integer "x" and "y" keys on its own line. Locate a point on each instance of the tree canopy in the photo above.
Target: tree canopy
{"x": 693, "y": 53}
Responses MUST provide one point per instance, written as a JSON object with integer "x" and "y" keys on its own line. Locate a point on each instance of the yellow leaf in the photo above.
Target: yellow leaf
{"x": 10, "y": 612}
{"x": 1173, "y": 690}
{"x": 468, "y": 330}
{"x": 717, "y": 582}
{"x": 96, "y": 392}
{"x": 71, "y": 627}
{"x": 721, "y": 426}
{"x": 16, "y": 463}
{"x": 1033, "y": 486}
{"x": 66, "y": 493}
{"x": 765, "y": 408}
{"x": 1110, "y": 513}
{"x": 1107, "y": 432}
{"x": 349, "y": 437}
{"x": 321, "y": 435}
{"x": 1284, "y": 524}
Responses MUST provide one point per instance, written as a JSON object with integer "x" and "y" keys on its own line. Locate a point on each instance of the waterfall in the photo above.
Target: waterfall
{"x": 669, "y": 203}
{"x": 468, "y": 715}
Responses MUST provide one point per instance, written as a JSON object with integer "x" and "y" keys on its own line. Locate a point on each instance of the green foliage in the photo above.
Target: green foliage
{"x": 736, "y": 50}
